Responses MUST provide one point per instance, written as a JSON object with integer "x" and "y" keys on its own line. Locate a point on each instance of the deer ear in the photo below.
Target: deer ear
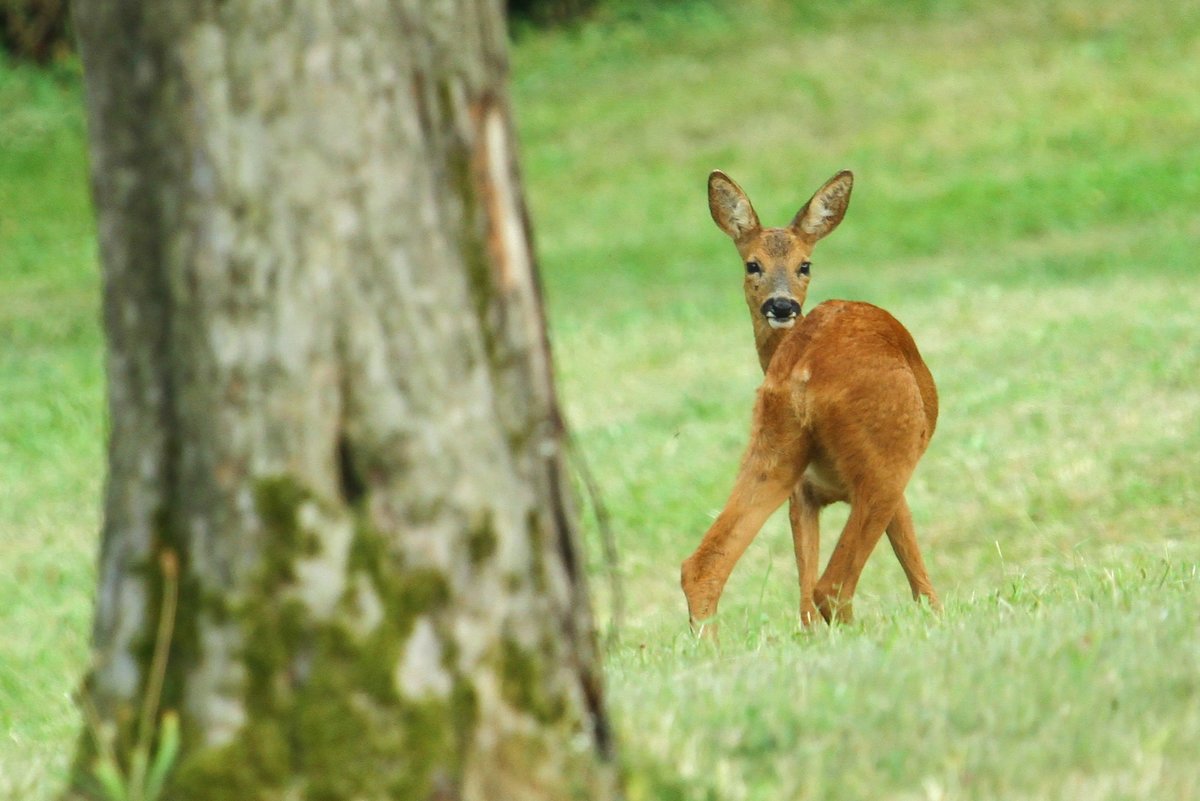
{"x": 826, "y": 208}
{"x": 731, "y": 209}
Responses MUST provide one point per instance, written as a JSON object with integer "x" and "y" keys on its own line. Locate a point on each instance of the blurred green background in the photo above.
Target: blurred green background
{"x": 1027, "y": 202}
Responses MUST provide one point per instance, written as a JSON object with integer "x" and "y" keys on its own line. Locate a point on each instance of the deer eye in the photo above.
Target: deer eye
{"x": 805, "y": 267}
{"x": 753, "y": 268}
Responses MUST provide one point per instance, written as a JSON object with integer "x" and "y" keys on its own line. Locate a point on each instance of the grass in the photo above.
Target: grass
{"x": 1026, "y": 693}
{"x": 51, "y": 439}
{"x": 1028, "y": 180}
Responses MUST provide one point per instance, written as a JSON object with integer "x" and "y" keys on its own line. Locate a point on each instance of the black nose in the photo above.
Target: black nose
{"x": 781, "y": 308}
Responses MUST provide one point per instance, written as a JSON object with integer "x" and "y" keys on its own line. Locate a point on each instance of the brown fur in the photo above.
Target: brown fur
{"x": 845, "y": 411}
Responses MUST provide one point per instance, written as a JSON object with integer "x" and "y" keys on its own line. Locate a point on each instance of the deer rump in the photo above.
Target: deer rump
{"x": 852, "y": 382}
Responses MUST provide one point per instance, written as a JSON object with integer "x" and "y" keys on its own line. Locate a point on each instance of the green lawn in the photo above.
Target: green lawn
{"x": 1027, "y": 202}
{"x": 51, "y": 424}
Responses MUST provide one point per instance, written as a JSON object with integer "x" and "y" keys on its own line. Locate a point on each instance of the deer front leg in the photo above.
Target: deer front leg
{"x": 767, "y": 475}
{"x": 804, "y": 516}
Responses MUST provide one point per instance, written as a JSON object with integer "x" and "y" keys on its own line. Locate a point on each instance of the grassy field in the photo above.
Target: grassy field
{"x": 51, "y": 421}
{"x": 1027, "y": 202}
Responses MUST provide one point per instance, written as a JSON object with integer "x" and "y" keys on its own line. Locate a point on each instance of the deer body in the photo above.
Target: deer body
{"x": 845, "y": 411}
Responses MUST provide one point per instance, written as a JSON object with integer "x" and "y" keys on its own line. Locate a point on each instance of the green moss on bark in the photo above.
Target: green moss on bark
{"x": 253, "y": 767}
{"x": 278, "y": 500}
{"x": 321, "y": 699}
{"x": 524, "y": 684}
{"x": 355, "y": 748}
{"x": 481, "y": 540}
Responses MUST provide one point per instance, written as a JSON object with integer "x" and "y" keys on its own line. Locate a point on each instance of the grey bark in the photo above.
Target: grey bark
{"x": 330, "y": 396}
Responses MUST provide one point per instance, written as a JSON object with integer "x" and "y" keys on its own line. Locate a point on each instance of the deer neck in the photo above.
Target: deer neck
{"x": 766, "y": 339}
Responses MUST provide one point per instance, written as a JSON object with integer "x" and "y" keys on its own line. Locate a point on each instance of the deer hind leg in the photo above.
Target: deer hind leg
{"x": 804, "y": 515}
{"x": 835, "y": 591}
{"x": 773, "y": 464}
{"x": 903, "y": 538}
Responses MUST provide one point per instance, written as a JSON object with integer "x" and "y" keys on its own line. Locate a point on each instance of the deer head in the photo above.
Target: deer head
{"x": 777, "y": 261}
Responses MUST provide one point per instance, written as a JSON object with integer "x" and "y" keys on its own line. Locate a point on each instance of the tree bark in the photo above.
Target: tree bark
{"x": 331, "y": 399}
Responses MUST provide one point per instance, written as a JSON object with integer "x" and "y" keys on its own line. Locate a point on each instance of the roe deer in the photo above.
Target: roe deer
{"x": 845, "y": 411}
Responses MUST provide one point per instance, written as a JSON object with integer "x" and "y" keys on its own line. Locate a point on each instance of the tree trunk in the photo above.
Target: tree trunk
{"x": 331, "y": 400}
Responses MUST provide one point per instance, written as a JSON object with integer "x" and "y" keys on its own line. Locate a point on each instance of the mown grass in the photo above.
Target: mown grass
{"x": 51, "y": 440}
{"x": 1027, "y": 195}
{"x": 1031, "y": 692}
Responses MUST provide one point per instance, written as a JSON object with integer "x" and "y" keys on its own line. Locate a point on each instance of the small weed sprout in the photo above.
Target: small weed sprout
{"x": 147, "y": 771}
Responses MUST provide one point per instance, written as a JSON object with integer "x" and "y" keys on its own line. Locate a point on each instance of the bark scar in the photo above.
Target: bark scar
{"x": 508, "y": 243}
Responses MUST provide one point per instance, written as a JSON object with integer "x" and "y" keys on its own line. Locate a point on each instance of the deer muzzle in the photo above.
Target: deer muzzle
{"x": 781, "y": 312}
